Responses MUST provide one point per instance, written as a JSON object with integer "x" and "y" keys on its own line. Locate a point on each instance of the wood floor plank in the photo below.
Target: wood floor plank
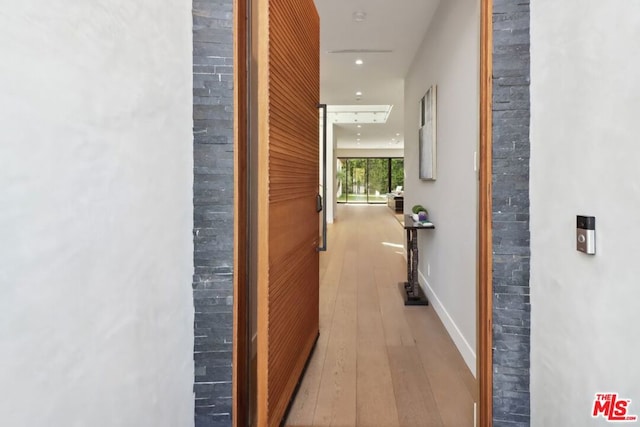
{"x": 377, "y": 362}
{"x": 454, "y": 401}
{"x": 304, "y": 405}
{"x": 396, "y": 328}
{"x": 414, "y": 396}
{"x": 376, "y": 404}
{"x": 336, "y": 405}
{"x": 375, "y": 399}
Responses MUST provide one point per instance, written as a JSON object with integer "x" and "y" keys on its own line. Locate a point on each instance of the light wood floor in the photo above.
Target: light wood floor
{"x": 377, "y": 362}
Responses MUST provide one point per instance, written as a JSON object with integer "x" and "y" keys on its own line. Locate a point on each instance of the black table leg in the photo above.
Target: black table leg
{"x": 414, "y": 294}
{"x": 408, "y": 283}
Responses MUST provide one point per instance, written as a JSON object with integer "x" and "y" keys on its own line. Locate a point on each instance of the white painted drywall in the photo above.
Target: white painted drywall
{"x": 585, "y": 98}
{"x": 96, "y": 310}
{"x": 448, "y": 58}
{"x": 332, "y": 201}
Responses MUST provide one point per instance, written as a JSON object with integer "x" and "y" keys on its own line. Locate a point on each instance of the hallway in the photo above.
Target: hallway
{"x": 378, "y": 363}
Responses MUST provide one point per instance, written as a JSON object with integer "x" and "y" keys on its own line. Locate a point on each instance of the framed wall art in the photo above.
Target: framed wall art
{"x": 427, "y": 135}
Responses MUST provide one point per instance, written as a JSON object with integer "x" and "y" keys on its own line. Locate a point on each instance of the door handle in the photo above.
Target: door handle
{"x": 322, "y": 197}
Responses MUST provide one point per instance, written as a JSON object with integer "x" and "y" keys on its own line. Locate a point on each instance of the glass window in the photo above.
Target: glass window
{"x": 368, "y": 180}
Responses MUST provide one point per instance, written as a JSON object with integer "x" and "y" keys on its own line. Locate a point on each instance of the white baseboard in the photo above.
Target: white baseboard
{"x": 467, "y": 352}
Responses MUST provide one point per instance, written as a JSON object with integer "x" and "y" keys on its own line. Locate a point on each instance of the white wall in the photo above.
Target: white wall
{"x": 448, "y": 58}
{"x": 331, "y": 202}
{"x": 585, "y": 96}
{"x": 96, "y": 312}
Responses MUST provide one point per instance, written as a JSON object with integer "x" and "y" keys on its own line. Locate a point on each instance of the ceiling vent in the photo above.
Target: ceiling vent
{"x": 361, "y": 51}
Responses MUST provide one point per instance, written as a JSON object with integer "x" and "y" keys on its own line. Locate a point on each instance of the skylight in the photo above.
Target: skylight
{"x": 345, "y": 114}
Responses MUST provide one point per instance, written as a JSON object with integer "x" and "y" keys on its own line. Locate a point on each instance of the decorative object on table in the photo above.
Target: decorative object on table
{"x": 427, "y": 135}
{"x": 419, "y": 213}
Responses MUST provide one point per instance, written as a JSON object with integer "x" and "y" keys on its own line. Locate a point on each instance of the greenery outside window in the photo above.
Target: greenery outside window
{"x": 368, "y": 180}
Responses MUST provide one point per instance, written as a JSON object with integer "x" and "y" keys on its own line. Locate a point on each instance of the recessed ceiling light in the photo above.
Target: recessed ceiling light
{"x": 358, "y": 139}
{"x": 358, "y": 93}
{"x": 359, "y": 134}
{"x": 398, "y": 134}
{"x": 359, "y": 126}
{"x": 359, "y": 62}
{"x": 359, "y": 16}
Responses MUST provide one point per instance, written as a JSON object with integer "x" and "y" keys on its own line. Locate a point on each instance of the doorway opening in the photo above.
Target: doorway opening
{"x": 484, "y": 254}
{"x": 368, "y": 180}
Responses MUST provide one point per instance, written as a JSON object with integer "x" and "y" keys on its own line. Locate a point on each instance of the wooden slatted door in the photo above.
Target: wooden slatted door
{"x": 287, "y": 232}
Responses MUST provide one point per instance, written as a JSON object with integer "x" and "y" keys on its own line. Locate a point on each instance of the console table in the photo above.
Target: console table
{"x": 413, "y": 293}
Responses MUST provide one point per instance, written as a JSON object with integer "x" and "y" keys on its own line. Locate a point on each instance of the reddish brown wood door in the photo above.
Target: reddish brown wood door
{"x": 288, "y": 178}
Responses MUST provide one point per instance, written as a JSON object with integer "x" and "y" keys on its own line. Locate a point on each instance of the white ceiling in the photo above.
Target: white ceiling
{"x": 397, "y": 26}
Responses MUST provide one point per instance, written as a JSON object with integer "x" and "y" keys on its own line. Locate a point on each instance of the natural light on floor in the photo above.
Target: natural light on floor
{"x": 393, "y": 245}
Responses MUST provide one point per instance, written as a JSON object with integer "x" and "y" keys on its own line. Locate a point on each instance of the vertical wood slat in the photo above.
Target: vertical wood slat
{"x": 262, "y": 10}
{"x": 288, "y": 265}
{"x": 294, "y": 91}
{"x": 485, "y": 262}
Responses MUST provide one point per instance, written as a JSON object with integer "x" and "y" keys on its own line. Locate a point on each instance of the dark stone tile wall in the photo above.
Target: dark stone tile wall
{"x": 511, "y": 243}
{"x": 213, "y": 209}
